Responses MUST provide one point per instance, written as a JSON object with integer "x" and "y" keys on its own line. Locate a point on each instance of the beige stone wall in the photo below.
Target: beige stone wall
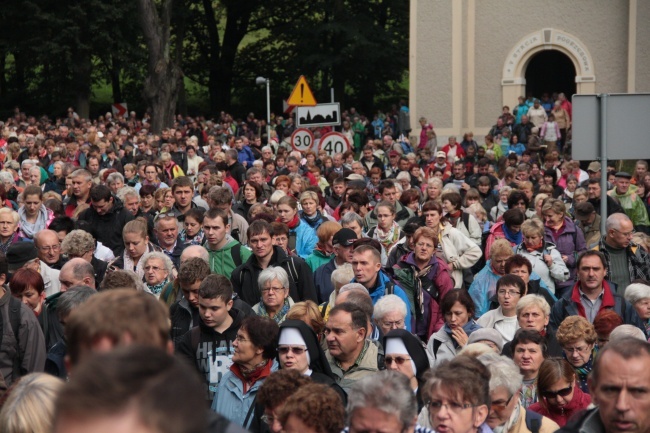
{"x": 456, "y": 73}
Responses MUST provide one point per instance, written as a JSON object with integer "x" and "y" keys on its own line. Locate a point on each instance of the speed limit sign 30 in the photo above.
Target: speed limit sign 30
{"x": 334, "y": 142}
{"x": 302, "y": 139}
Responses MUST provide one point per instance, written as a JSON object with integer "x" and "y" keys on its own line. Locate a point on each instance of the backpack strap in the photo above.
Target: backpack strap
{"x": 293, "y": 271}
{"x": 436, "y": 346}
{"x": 323, "y": 310}
{"x": 389, "y": 288}
{"x": 533, "y": 421}
{"x": 464, "y": 217}
{"x": 236, "y": 254}
{"x": 14, "y": 320}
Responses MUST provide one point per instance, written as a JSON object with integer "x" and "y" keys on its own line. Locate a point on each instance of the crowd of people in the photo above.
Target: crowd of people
{"x": 214, "y": 279}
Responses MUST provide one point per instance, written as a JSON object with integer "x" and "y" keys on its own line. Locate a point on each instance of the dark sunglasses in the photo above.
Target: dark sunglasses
{"x": 283, "y": 350}
{"x": 554, "y": 394}
{"x": 397, "y": 359}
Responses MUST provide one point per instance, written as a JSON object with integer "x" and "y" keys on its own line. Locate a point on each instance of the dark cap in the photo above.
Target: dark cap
{"x": 584, "y": 210}
{"x": 411, "y": 225}
{"x": 624, "y": 174}
{"x": 20, "y": 253}
{"x": 344, "y": 237}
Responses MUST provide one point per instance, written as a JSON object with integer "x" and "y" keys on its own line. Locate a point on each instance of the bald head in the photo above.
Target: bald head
{"x": 195, "y": 251}
{"x": 77, "y": 272}
{"x": 48, "y": 246}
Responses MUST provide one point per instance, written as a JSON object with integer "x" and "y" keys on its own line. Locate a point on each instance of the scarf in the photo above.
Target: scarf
{"x": 293, "y": 223}
{"x": 30, "y": 229}
{"x": 279, "y": 316}
{"x": 583, "y": 371}
{"x": 250, "y": 376}
{"x": 389, "y": 237}
{"x": 514, "y": 238}
{"x": 512, "y": 421}
{"x": 156, "y": 289}
{"x": 419, "y": 299}
{"x": 469, "y": 327}
{"x": 453, "y": 217}
{"x": 313, "y": 220}
{"x": 540, "y": 245}
{"x": 198, "y": 239}
{"x": 129, "y": 265}
{"x": 5, "y": 246}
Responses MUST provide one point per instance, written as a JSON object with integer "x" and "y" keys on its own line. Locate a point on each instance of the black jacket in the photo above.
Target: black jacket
{"x": 49, "y": 321}
{"x": 212, "y": 354}
{"x": 238, "y": 172}
{"x": 301, "y": 279}
{"x": 107, "y": 228}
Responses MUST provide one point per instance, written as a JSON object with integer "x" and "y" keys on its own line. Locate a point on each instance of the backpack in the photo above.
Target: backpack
{"x": 533, "y": 421}
{"x": 14, "y": 321}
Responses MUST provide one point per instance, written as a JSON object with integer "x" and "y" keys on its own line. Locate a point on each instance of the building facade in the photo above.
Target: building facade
{"x": 468, "y": 58}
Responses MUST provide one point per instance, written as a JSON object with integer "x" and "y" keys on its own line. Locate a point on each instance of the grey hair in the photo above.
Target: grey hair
{"x": 126, "y": 191}
{"x": 627, "y": 331}
{"x": 533, "y": 300}
{"x": 614, "y": 221}
{"x": 81, "y": 269}
{"x": 342, "y": 275}
{"x": 435, "y": 180}
{"x": 5, "y": 176}
{"x": 351, "y": 217}
{"x": 353, "y": 287}
{"x": 28, "y": 161}
{"x": 403, "y": 175}
{"x": 388, "y": 304}
{"x": 635, "y": 292}
{"x": 387, "y": 391}
{"x": 78, "y": 243}
{"x": 35, "y": 168}
{"x": 82, "y": 172}
{"x": 265, "y": 148}
{"x": 450, "y": 187}
{"x": 273, "y": 273}
{"x": 72, "y": 298}
{"x": 59, "y": 163}
{"x": 276, "y": 196}
{"x": 113, "y": 177}
{"x": 505, "y": 190}
{"x": 503, "y": 372}
{"x": 167, "y": 263}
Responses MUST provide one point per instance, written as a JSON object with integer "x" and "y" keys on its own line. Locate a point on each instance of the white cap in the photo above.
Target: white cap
{"x": 396, "y": 346}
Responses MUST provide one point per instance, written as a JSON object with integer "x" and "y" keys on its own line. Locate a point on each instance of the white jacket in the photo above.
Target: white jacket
{"x": 460, "y": 252}
{"x": 558, "y": 270}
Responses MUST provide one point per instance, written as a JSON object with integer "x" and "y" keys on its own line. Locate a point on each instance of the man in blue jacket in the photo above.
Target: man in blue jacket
{"x": 366, "y": 263}
{"x": 244, "y": 153}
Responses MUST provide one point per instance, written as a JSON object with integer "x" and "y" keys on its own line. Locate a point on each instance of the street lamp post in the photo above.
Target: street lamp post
{"x": 259, "y": 81}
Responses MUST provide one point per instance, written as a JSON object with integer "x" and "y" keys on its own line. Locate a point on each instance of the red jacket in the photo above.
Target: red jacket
{"x": 579, "y": 402}
{"x": 460, "y": 152}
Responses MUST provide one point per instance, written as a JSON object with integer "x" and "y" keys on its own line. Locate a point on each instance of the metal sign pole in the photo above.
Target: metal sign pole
{"x": 603, "y": 162}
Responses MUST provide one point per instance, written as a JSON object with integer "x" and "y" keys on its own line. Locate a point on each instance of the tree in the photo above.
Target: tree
{"x": 161, "y": 84}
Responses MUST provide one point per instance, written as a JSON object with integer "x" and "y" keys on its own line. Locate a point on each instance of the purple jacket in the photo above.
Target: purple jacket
{"x": 570, "y": 242}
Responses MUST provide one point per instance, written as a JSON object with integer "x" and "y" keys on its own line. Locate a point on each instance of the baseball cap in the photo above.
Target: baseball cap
{"x": 20, "y": 253}
{"x": 441, "y": 154}
{"x": 393, "y": 153}
{"x": 354, "y": 176}
{"x": 624, "y": 174}
{"x": 594, "y": 167}
{"x": 584, "y": 210}
{"x": 344, "y": 237}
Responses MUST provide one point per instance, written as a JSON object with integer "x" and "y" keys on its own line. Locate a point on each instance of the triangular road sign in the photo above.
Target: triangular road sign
{"x": 301, "y": 94}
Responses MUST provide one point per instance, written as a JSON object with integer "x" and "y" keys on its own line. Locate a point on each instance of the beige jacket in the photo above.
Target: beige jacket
{"x": 459, "y": 252}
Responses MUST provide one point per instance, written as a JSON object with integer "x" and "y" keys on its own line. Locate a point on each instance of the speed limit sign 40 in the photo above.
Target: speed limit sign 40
{"x": 334, "y": 142}
{"x": 302, "y": 139}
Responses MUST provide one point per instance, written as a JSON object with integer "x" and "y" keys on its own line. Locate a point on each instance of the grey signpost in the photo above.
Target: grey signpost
{"x": 620, "y": 121}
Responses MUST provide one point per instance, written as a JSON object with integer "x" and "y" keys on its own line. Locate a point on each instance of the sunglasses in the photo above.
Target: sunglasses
{"x": 554, "y": 394}
{"x": 283, "y": 350}
{"x": 397, "y": 359}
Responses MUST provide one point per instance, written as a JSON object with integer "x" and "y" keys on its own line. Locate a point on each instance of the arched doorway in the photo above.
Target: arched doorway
{"x": 550, "y": 71}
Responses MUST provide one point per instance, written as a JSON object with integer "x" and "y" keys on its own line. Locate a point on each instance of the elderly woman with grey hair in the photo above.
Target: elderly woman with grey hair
{"x": 158, "y": 271}
{"x": 115, "y": 181}
{"x": 389, "y": 313}
{"x": 507, "y": 415}
{"x": 341, "y": 276}
{"x": 275, "y": 300}
{"x": 638, "y": 294}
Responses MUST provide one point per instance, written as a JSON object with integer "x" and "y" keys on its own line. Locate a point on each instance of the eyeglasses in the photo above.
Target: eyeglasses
{"x": 502, "y": 404}
{"x": 399, "y": 360}
{"x": 273, "y": 289}
{"x": 452, "y": 406}
{"x": 50, "y": 248}
{"x": 240, "y": 339}
{"x": 152, "y": 268}
{"x": 393, "y": 325}
{"x": 508, "y": 293}
{"x": 296, "y": 350}
{"x": 575, "y": 349}
{"x": 164, "y": 215}
{"x": 627, "y": 234}
{"x": 423, "y": 245}
{"x": 554, "y": 394}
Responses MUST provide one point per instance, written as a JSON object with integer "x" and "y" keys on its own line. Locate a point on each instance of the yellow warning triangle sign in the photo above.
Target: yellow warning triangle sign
{"x": 301, "y": 94}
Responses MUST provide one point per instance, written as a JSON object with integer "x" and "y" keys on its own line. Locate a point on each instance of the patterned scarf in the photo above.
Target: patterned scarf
{"x": 419, "y": 299}
{"x": 387, "y": 238}
{"x": 4, "y": 246}
{"x": 279, "y": 316}
{"x": 583, "y": 371}
{"x": 198, "y": 239}
{"x": 313, "y": 220}
{"x": 156, "y": 289}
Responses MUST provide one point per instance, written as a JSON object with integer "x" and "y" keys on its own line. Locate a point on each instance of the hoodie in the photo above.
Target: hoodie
{"x": 223, "y": 262}
{"x": 212, "y": 356}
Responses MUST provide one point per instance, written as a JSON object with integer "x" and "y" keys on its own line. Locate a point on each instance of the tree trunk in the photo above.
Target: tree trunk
{"x": 3, "y": 77}
{"x": 161, "y": 84}
{"x": 116, "y": 84}
{"x": 181, "y": 28}
{"x": 81, "y": 70}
